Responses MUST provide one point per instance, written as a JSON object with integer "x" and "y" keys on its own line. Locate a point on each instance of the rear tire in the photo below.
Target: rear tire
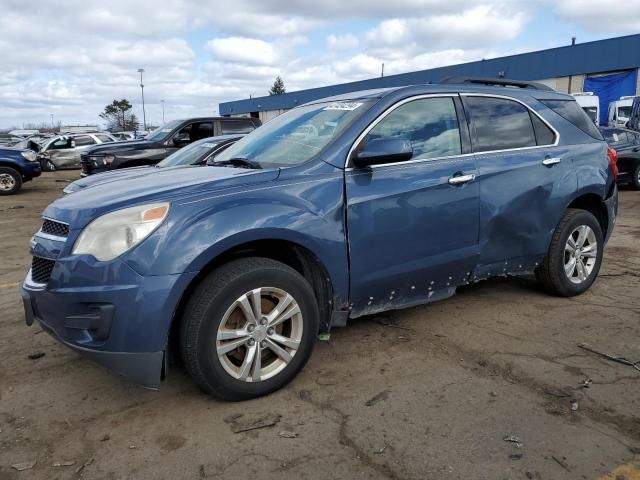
{"x": 231, "y": 341}
{"x": 574, "y": 257}
{"x": 635, "y": 179}
{"x": 10, "y": 181}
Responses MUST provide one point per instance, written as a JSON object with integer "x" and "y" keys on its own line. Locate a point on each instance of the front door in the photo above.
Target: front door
{"x": 413, "y": 225}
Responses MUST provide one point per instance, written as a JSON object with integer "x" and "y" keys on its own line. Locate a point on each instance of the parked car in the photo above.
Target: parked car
{"x": 590, "y": 103}
{"x": 63, "y": 151}
{"x": 17, "y": 165}
{"x": 196, "y": 154}
{"x": 391, "y": 198}
{"x": 626, "y": 143}
{"x": 619, "y": 112}
{"x": 634, "y": 117}
{"x": 161, "y": 143}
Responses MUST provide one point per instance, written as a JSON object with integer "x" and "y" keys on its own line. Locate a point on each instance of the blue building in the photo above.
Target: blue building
{"x": 608, "y": 68}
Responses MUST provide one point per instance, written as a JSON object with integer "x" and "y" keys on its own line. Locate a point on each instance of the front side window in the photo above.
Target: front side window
{"x": 296, "y": 136}
{"x": 500, "y": 124}
{"x": 431, "y": 124}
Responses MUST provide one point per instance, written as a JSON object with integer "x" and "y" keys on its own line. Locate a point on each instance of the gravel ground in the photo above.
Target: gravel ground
{"x": 426, "y": 393}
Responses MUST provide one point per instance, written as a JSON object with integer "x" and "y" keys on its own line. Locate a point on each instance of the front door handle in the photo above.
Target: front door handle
{"x": 551, "y": 161}
{"x": 460, "y": 179}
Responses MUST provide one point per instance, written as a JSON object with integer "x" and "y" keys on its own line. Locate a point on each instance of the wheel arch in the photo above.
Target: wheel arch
{"x": 593, "y": 203}
{"x": 291, "y": 253}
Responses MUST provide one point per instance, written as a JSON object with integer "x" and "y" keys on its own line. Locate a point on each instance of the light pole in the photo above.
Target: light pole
{"x": 144, "y": 115}
{"x": 162, "y": 101}
{"x": 51, "y": 120}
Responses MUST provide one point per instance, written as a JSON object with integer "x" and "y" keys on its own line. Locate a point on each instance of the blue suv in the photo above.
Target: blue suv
{"x": 17, "y": 165}
{"x": 340, "y": 208}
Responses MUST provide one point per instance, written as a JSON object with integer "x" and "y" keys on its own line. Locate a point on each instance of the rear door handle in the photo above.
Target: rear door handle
{"x": 551, "y": 161}
{"x": 460, "y": 179}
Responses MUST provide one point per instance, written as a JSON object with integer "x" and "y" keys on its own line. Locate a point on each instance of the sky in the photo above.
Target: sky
{"x": 70, "y": 58}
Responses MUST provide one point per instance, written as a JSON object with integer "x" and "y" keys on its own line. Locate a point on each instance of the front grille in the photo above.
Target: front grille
{"x": 57, "y": 229}
{"x": 41, "y": 269}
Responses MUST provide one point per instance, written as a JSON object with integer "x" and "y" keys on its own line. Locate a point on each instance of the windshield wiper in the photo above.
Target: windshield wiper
{"x": 237, "y": 162}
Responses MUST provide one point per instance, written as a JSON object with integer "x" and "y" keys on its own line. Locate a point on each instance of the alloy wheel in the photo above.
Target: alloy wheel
{"x": 259, "y": 334}
{"x": 580, "y": 254}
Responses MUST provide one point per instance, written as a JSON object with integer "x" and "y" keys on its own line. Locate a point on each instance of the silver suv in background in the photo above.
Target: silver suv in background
{"x": 64, "y": 151}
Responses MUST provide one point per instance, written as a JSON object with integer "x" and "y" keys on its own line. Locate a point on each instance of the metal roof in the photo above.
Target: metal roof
{"x": 613, "y": 54}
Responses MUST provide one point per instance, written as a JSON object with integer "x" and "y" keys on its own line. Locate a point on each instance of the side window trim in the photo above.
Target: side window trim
{"x": 389, "y": 110}
{"x": 463, "y": 95}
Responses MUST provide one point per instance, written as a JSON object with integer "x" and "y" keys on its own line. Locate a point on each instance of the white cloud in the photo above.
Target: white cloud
{"x": 602, "y": 15}
{"x": 243, "y": 50}
{"x": 72, "y": 58}
{"x": 347, "y": 41}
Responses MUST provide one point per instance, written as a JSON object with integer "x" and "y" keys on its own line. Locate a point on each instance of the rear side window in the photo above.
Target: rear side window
{"x": 236, "y": 126}
{"x": 83, "y": 140}
{"x": 500, "y": 124}
{"x": 431, "y": 124}
{"x": 571, "y": 111}
{"x": 544, "y": 135}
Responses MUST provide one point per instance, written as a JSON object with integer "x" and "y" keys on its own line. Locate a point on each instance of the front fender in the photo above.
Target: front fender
{"x": 306, "y": 212}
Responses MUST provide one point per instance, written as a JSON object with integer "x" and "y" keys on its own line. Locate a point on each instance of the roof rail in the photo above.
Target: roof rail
{"x": 503, "y": 82}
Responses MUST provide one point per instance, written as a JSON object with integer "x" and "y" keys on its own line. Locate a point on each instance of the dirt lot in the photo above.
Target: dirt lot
{"x": 425, "y": 393}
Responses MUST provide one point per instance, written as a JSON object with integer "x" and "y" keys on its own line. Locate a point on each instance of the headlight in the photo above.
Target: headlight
{"x": 108, "y": 159}
{"x": 115, "y": 233}
{"x": 29, "y": 155}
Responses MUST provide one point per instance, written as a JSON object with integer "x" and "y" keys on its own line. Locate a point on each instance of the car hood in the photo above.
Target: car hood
{"x": 119, "y": 147}
{"x": 107, "y": 177}
{"x": 166, "y": 184}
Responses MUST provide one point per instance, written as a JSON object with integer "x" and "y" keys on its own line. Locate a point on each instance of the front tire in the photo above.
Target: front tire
{"x": 574, "y": 257}
{"x": 248, "y": 328}
{"x": 10, "y": 181}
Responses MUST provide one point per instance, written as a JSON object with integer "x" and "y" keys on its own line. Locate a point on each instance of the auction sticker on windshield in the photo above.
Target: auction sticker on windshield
{"x": 342, "y": 106}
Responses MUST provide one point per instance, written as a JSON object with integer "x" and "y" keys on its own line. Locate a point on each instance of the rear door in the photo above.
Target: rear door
{"x": 413, "y": 225}
{"x": 523, "y": 178}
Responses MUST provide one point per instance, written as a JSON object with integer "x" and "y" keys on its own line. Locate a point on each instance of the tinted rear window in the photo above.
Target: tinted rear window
{"x": 571, "y": 111}
{"x": 500, "y": 124}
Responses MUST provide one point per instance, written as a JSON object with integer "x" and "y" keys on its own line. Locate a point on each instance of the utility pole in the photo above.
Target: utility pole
{"x": 51, "y": 120}
{"x": 144, "y": 115}
{"x": 162, "y": 101}
{"x": 382, "y": 72}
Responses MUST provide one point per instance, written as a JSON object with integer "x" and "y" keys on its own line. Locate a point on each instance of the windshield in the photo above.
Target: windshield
{"x": 163, "y": 132}
{"x": 297, "y": 135}
{"x": 624, "y": 112}
{"x": 190, "y": 154}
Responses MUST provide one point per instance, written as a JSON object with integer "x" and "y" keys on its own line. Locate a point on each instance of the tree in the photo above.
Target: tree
{"x": 119, "y": 116}
{"x": 278, "y": 87}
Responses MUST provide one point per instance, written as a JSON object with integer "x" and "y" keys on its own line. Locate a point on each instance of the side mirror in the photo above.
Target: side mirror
{"x": 384, "y": 150}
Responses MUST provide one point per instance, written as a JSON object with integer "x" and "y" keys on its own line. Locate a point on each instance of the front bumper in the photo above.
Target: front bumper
{"x": 108, "y": 313}
{"x": 31, "y": 170}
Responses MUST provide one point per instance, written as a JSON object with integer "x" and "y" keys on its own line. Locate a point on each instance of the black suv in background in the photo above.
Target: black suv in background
{"x": 626, "y": 143}
{"x": 161, "y": 143}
